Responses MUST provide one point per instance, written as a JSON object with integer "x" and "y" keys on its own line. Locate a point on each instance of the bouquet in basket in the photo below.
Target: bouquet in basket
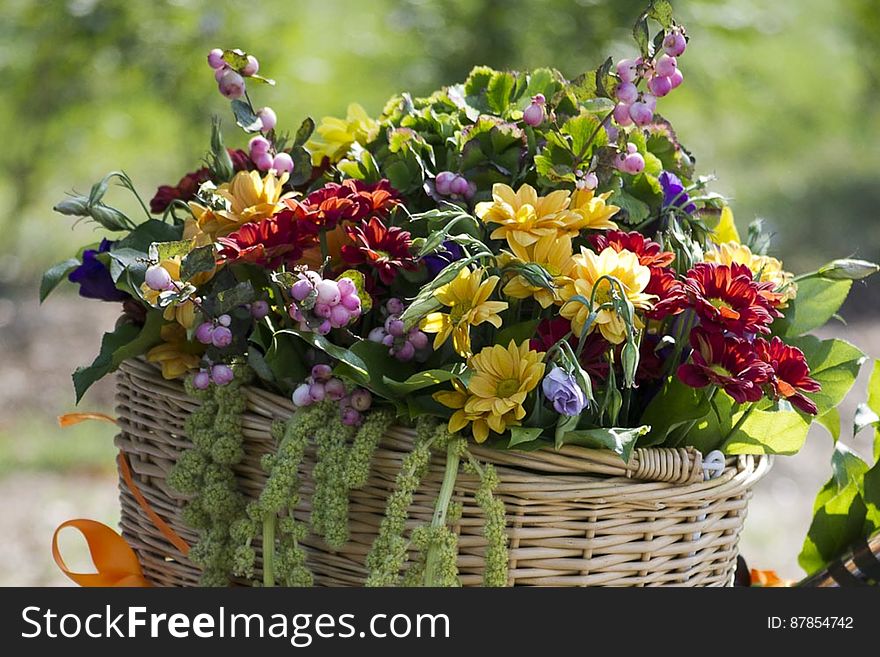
{"x": 520, "y": 261}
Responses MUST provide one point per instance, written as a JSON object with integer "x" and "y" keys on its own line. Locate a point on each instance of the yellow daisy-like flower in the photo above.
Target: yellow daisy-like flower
{"x": 588, "y": 270}
{"x": 765, "y": 268}
{"x": 494, "y": 397}
{"x": 335, "y": 136}
{"x": 554, "y": 254}
{"x": 248, "y": 198}
{"x": 176, "y": 355}
{"x": 182, "y": 313}
{"x": 523, "y": 217}
{"x": 589, "y": 212}
{"x": 467, "y": 297}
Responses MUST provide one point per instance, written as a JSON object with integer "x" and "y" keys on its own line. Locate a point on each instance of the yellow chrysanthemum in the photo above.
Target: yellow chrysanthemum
{"x": 248, "y": 198}
{"x": 467, "y": 297}
{"x": 176, "y": 355}
{"x": 589, "y": 212}
{"x": 182, "y": 313}
{"x": 765, "y": 268}
{"x": 553, "y": 254}
{"x": 335, "y": 136}
{"x": 588, "y": 270}
{"x": 523, "y": 217}
{"x": 494, "y": 397}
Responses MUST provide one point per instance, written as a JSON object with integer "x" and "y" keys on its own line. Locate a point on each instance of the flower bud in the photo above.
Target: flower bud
{"x": 627, "y": 93}
{"x": 418, "y": 339}
{"x": 352, "y": 303}
{"x": 394, "y": 306}
{"x": 224, "y": 320}
{"x": 395, "y": 327}
{"x": 674, "y": 43}
{"x": 676, "y": 78}
{"x": 459, "y": 186}
{"x": 340, "y": 316}
{"x": 351, "y": 418}
{"x": 404, "y": 353}
{"x": 322, "y": 310}
{"x": 221, "y": 337}
{"x": 633, "y": 163}
{"x": 317, "y": 392}
{"x": 621, "y": 114}
{"x": 328, "y": 292}
{"x": 301, "y": 289}
{"x": 259, "y": 309}
{"x": 325, "y": 327}
{"x": 263, "y": 161}
{"x": 640, "y": 113}
{"x": 848, "y": 269}
{"x": 666, "y": 66}
{"x": 534, "y": 115}
{"x": 660, "y": 86}
{"x": 346, "y": 287}
{"x": 626, "y": 69}
{"x": 377, "y": 335}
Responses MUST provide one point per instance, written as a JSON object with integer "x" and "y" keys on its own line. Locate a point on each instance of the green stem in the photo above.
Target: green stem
{"x": 740, "y": 421}
{"x": 269, "y": 549}
{"x": 442, "y": 506}
{"x": 690, "y": 425}
{"x": 322, "y": 236}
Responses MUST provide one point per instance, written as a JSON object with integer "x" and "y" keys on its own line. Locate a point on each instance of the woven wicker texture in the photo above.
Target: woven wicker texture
{"x": 575, "y": 517}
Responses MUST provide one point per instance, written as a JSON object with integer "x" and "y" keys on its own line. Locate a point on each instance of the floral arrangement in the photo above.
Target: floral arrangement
{"x": 533, "y": 260}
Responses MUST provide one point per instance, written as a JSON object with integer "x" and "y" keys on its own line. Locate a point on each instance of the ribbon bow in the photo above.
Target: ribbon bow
{"x": 115, "y": 561}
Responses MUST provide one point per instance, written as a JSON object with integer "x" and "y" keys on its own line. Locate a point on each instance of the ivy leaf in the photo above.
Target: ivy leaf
{"x": 245, "y": 118}
{"x": 522, "y": 435}
{"x": 54, "y": 275}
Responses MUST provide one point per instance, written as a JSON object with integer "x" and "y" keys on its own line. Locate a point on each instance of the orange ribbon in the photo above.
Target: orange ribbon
{"x": 115, "y": 561}
{"x": 69, "y": 419}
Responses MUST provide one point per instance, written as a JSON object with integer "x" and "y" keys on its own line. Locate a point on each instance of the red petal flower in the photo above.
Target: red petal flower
{"x": 592, "y": 359}
{"x": 727, "y": 362}
{"x": 273, "y": 241}
{"x": 726, "y": 298}
{"x": 351, "y": 200}
{"x": 384, "y": 248}
{"x": 650, "y": 253}
{"x": 186, "y": 188}
{"x": 670, "y": 292}
{"x": 790, "y": 373}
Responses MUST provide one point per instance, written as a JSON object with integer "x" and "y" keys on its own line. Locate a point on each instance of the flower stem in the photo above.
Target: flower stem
{"x": 269, "y": 549}
{"x": 740, "y": 421}
{"x": 322, "y": 236}
{"x": 442, "y": 506}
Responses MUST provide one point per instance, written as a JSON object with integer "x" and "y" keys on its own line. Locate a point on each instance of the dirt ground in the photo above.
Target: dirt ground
{"x": 42, "y": 485}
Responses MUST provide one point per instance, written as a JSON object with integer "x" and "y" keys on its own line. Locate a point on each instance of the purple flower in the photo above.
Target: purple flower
{"x": 563, "y": 391}
{"x": 94, "y": 278}
{"x": 448, "y": 253}
{"x": 673, "y": 192}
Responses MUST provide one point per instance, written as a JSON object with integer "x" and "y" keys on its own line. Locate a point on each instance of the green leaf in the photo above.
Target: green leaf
{"x": 499, "y": 90}
{"x": 641, "y": 36}
{"x": 864, "y": 417}
{"x": 261, "y": 79}
{"x": 676, "y": 405}
{"x": 148, "y": 232}
{"x": 517, "y": 332}
{"x": 632, "y": 209}
{"x": 830, "y": 419}
{"x": 541, "y": 81}
{"x": 817, "y": 301}
{"x": 522, "y": 435}
{"x": 424, "y": 379}
{"x": 227, "y": 300}
{"x": 245, "y": 118}
{"x": 126, "y": 341}
{"x": 54, "y": 275}
{"x": 165, "y": 250}
{"x": 197, "y": 261}
{"x": 235, "y": 60}
{"x": 378, "y": 364}
{"x": 834, "y": 364}
{"x": 619, "y": 440}
{"x": 661, "y": 11}
{"x": 305, "y": 130}
{"x": 768, "y": 432}
{"x": 357, "y": 369}
{"x": 585, "y": 134}
{"x": 302, "y": 165}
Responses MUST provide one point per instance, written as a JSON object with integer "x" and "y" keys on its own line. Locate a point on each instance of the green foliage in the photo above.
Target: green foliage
{"x": 818, "y": 300}
{"x": 834, "y": 364}
{"x": 621, "y": 441}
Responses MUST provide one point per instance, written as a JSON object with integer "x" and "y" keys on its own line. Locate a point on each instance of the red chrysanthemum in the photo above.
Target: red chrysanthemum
{"x": 271, "y": 242}
{"x": 727, "y": 362}
{"x": 350, "y": 201}
{"x": 186, "y": 188}
{"x": 671, "y": 295}
{"x": 650, "y": 253}
{"x": 651, "y": 365}
{"x": 384, "y": 248}
{"x": 726, "y": 298}
{"x": 790, "y": 376}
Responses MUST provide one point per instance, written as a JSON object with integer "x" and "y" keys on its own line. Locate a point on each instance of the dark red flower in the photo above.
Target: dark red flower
{"x": 186, "y": 188}
{"x": 790, "y": 373}
{"x": 726, "y": 298}
{"x": 273, "y": 241}
{"x": 384, "y": 248}
{"x": 671, "y": 295}
{"x": 349, "y": 201}
{"x": 650, "y": 253}
{"x": 592, "y": 358}
{"x": 727, "y": 362}
{"x": 651, "y": 365}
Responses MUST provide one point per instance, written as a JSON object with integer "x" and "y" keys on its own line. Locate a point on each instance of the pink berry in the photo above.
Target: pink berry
{"x": 443, "y": 183}
{"x": 631, "y": 148}
{"x": 312, "y": 277}
{"x": 533, "y": 115}
{"x": 301, "y": 289}
{"x": 224, "y": 320}
{"x": 201, "y": 380}
{"x": 252, "y": 66}
{"x": 222, "y": 374}
{"x": 459, "y": 185}
{"x": 352, "y": 303}
{"x": 418, "y": 339}
{"x": 157, "y": 278}
{"x": 674, "y": 43}
{"x": 204, "y": 333}
{"x": 215, "y": 58}
{"x": 283, "y": 163}
{"x": 218, "y": 73}
{"x": 640, "y": 113}
{"x": 395, "y": 327}
{"x": 621, "y": 114}
{"x": 322, "y": 310}
{"x": 221, "y": 337}
{"x": 361, "y": 400}
{"x": 388, "y": 340}
{"x": 296, "y": 314}
{"x": 471, "y": 190}
{"x": 317, "y": 392}
{"x": 324, "y": 328}
{"x": 666, "y": 66}
{"x": 340, "y": 316}
{"x": 258, "y": 145}
{"x": 259, "y": 309}
{"x": 264, "y": 161}
{"x": 627, "y": 93}
{"x": 404, "y": 353}
{"x": 328, "y": 292}
{"x": 350, "y": 417}
{"x": 651, "y": 101}
{"x": 676, "y": 78}
{"x": 301, "y": 396}
{"x": 346, "y": 287}
{"x": 334, "y": 389}
{"x": 634, "y": 163}
{"x": 394, "y": 306}
{"x": 659, "y": 86}
{"x": 231, "y": 85}
{"x": 591, "y": 181}
{"x": 322, "y": 372}
{"x": 626, "y": 69}
{"x": 377, "y": 335}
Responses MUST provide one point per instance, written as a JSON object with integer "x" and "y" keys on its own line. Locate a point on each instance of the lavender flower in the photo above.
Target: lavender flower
{"x": 674, "y": 194}
{"x": 448, "y": 253}
{"x": 563, "y": 391}
{"x": 94, "y": 278}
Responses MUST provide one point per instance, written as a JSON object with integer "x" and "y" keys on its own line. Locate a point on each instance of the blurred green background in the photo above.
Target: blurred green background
{"x": 780, "y": 101}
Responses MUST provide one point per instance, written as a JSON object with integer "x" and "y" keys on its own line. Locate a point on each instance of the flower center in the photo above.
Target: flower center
{"x": 720, "y": 304}
{"x": 603, "y": 293}
{"x": 525, "y": 215}
{"x": 506, "y": 388}
{"x": 458, "y": 311}
{"x": 721, "y": 371}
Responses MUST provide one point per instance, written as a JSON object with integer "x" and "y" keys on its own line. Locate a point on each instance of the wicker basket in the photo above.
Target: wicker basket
{"x": 575, "y": 517}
